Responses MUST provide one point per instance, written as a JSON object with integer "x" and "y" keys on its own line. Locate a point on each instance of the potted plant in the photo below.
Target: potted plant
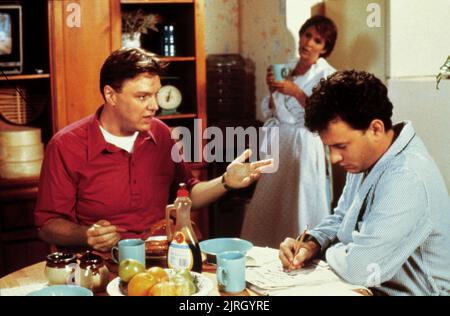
{"x": 136, "y": 22}
{"x": 444, "y": 72}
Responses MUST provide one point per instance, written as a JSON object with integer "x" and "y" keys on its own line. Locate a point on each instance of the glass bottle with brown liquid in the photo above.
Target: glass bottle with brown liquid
{"x": 184, "y": 250}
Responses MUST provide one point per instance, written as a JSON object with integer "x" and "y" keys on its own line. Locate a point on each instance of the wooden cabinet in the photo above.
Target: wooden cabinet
{"x": 25, "y": 99}
{"x": 19, "y": 242}
{"x": 186, "y": 70}
{"x": 77, "y": 54}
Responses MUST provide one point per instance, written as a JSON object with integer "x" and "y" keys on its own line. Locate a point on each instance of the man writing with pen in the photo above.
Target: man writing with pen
{"x": 393, "y": 217}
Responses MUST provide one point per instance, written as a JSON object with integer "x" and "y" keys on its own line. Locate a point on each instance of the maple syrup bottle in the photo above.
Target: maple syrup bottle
{"x": 184, "y": 250}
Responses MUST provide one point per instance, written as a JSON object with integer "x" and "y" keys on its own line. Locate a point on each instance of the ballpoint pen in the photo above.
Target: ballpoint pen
{"x": 299, "y": 240}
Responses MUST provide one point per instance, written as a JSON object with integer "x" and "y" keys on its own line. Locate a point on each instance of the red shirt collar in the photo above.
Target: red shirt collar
{"x": 97, "y": 143}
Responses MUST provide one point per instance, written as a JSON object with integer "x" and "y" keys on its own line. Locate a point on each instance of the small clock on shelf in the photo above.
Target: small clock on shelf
{"x": 169, "y": 99}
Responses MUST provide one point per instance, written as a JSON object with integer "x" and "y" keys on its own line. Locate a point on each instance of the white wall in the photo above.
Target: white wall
{"x": 418, "y": 44}
{"x": 297, "y": 12}
{"x": 359, "y": 45}
{"x": 221, "y": 27}
{"x": 418, "y": 100}
{"x": 419, "y": 39}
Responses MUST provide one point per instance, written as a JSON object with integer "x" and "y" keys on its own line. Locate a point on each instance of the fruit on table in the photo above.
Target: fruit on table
{"x": 156, "y": 281}
{"x": 159, "y": 273}
{"x": 185, "y": 274}
{"x": 128, "y": 268}
{"x": 183, "y": 286}
{"x": 141, "y": 283}
{"x": 164, "y": 288}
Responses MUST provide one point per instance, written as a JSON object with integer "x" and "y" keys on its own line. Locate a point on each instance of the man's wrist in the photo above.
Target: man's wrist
{"x": 311, "y": 240}
{"x": 224, "y": 183}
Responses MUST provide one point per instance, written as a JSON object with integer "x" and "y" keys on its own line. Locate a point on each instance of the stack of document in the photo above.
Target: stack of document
{"x": 266, "y": 276}
{"x": 259, "y": 256}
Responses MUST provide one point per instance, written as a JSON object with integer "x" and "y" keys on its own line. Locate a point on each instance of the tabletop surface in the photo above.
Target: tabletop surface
{"x": 26, "y": 276}
{"x": 34, "y": 274}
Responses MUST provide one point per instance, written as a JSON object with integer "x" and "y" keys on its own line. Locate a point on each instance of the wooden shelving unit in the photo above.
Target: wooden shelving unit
{"x": 20, "y": 245}
{"x": 186, "y": 70}
{"x": 156, "y": 1}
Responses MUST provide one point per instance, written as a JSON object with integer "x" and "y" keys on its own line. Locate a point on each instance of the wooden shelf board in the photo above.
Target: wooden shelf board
{"x": 176, "y": 59}
{"x": 154, "y": 1}
{"x": 24, "y": 77}
{"x": 176, "y": 116}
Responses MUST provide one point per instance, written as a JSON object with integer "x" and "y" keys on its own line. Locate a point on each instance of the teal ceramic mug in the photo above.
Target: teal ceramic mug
{"x": 129, "y": 249}
{"x": 280, "y": 71}
{"x": 231, "y": 271}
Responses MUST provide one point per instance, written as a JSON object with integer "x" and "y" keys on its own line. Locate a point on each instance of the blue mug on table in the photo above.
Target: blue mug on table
{"x": 231, "y": 271}
{"x": 129, "y": 249}
{"x": 280, "y": 71}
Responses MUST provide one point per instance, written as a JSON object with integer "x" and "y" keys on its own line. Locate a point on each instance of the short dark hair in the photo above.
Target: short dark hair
{"x": 356, "y": 97}
{"x": 127, "y": 63}
{"x": 326, "y": 28}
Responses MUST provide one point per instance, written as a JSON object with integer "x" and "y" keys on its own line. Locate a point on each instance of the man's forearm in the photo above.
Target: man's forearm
{"x": 207, "y": 192}
{"x": 63, "y": 233}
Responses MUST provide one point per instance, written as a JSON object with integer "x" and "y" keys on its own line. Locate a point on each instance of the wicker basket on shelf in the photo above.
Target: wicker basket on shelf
{"x": 21, "y": 151}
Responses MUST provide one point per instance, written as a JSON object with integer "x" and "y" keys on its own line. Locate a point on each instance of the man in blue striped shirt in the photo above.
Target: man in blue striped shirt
{"x": 391, "y": 228}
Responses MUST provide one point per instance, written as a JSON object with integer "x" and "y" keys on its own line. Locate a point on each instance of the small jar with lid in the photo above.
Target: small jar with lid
{"x": 93, "y": 273}
{"x": 60, "y": 268}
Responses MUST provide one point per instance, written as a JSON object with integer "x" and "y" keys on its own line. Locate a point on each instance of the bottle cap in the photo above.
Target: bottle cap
{"x": 182, "y": 191}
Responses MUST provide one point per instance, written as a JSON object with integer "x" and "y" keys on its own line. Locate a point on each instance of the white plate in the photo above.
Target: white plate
{"x": 204, "y": 284}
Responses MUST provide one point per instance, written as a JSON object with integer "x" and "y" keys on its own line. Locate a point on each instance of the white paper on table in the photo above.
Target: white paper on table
{"x": 273, "y": 275}
{"x": 316, "y": 279}
{"x": 328, "y": 289}
{"x": 259, "y": 256}
{"x": 22, "y": 290}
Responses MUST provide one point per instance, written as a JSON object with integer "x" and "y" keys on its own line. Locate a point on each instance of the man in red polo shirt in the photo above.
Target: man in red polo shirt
{"x": 109, "y": 175}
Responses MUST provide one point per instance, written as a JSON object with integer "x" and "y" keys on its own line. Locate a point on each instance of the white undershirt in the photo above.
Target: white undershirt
{"x": 124, "y": 142}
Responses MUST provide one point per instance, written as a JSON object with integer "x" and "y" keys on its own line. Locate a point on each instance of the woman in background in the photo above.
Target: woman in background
{"x": 286, "y": 201}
